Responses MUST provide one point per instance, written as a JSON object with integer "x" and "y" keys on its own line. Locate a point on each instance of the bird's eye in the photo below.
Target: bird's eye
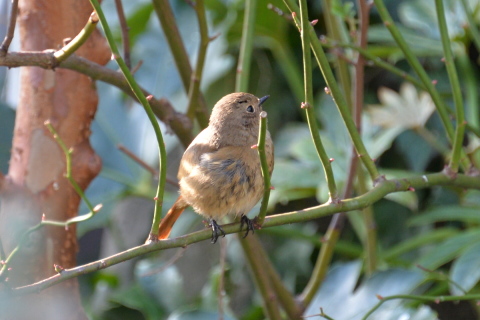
{"x": 250, "y": 109}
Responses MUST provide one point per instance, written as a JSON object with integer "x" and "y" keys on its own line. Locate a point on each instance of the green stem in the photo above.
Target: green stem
{"x": 339, "y": 99}
{"x": 375, "y": 60}
{"x": 420, "y": 71}
{"x": 284, "y": 296}
{"x": 194, "y": 89}
{"x": 455, "y": 85}
{"x": 472, "y": 25}
{"x": 321, "y": 265}
{"x": 433, "y": 141}
{"x": 373, "y": 195}
{"x": 308, "y": 104}
{"x": 68, "y": 174}
{"x": 246, "y": 46}
{"x": 471, "y": 92}
{"x": 262, "y": 279}
{"x": 151, "y": 116}
{"x": 435, "y": 299}
{"x": 264, "y": 165}
{"x": 180, "y": 56}
{"x": 370, "y": 241}
{"x": 336, "y": 30}
{"x": 73, "y": 45}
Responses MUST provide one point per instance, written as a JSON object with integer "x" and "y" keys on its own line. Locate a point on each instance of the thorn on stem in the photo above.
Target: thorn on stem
{"x": 58, "y": 268}
{"x": 331, "y": 159}
{"x": 43, "y": 216}
{"x": 149, "y": 97}
{"x": 314, "y": 22}
{"x": 327, "y": 90}
{"x": 255, "y": 146}
{"x": 411, "y": 189}
{"x": 305, "y": 105}
{"x": 155, "y": 198}
{"x": 379, "y": 297}
{"x": 272, "y": 188}
{"x": 442, "y": 59}
{"x": 434, "y": 82}
{"x": 98, "y": 207}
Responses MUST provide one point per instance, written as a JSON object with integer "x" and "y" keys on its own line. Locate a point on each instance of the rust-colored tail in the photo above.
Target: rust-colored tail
{"x": 172, "y": 215}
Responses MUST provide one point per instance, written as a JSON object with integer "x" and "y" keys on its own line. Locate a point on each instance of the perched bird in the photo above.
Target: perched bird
{"x": 220, "y": 173}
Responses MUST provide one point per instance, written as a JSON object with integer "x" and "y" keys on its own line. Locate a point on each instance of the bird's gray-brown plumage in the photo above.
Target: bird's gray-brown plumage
{"x": 220, "y": 173}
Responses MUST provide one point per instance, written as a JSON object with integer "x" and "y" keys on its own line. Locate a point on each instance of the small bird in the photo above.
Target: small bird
{"x": 220, "y": 173}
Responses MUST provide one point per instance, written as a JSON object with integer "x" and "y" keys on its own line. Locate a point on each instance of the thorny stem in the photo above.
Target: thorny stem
{"x": 246, "y": 47}
{"x": 373, "y": 195}
{"x": 371, "y": 58}
{"x": 422, "y": 74}
{"x": 125, "y": 37}
{"x": 455, "y": 85}
{"x": 434, "y": 299}
{"x": 339, "y": 99}
{"x": 264, "y": 166}
{"x": 151, "y": 116}
{"x": 308, "y": 104}
{"x": 472, "y": 25}
{"x": 11, "y": 29}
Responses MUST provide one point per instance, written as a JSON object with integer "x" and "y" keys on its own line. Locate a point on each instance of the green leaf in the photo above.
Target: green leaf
{"x": 136, "y": 298}
{"x": 465, "y": 271}
{"x": 341, "y": 289}
{"x": 448, "y": 250}
{"x": 433, "y": 236}
{"x": 447, "y": 213}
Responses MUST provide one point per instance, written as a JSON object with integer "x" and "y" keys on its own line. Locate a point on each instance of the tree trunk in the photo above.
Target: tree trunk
{"x": 35, "y": 184}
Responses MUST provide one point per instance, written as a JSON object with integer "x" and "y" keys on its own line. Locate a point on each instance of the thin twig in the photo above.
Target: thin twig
{"x": 68, "y": 174}
{"x": 472, "y": 25}
{"x": 180, "y": 252}
{"x": 375, "y": 194}
{"x": 434, "y": 299}
{"x": 372, "y": 59}
{"x": 125, "y": 37}
{"x": 75, "y": 43}
{"x": 143, "y": 164}
{"x": 11, "y": 29}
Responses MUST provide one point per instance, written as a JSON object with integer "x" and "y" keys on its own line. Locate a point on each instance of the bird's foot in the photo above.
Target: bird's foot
{"x": 217, "y": 231}
{"x": 244, "y": 220}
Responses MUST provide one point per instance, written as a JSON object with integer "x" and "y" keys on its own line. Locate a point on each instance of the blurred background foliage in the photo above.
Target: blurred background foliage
{"x": 428, "y": 240}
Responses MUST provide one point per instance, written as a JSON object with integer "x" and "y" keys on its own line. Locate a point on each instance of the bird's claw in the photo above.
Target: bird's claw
{"x": 250, "y": 224}
{"x": 217, "y": 231}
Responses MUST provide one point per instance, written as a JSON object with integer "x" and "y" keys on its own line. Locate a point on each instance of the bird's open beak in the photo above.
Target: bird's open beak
{"x": 263, "y": 99}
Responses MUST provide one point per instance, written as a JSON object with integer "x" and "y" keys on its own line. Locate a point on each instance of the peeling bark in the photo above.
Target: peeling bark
{"x": 35, "y": 183}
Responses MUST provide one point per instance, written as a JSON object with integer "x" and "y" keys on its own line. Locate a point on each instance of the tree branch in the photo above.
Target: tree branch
{"x": 11, "y": 29}
{"x": 375, "y": 194}
{"x": 178, "y": 122}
